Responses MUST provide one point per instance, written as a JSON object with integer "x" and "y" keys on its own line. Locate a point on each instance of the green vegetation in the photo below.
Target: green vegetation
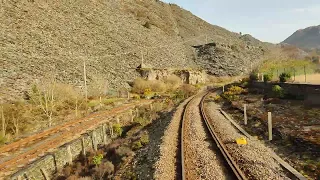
{"x": 267, "y": 77}
{"x": 97, "y": 159}
{"x": 254, "y": 76}
{"x": 292, "y": 66}
{"x": 284, "y": 77}
{"x": 278, "y": 91}
{"x": 232, "y": 94}
{"x": 117, "y": 129}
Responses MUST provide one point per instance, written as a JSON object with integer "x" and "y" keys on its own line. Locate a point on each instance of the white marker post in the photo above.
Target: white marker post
{"x": 270, "y": 126}
{"x": 262, "y": 77}
{"x": 245, "y": 114}
{"x": 223, "y": 88}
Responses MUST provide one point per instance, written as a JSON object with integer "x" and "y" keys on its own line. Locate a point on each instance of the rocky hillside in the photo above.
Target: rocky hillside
{"x": 44, "y": 39}
{"x": 308, "y": 38}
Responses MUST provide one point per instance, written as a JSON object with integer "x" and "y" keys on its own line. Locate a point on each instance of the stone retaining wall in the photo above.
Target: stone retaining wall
{"x": 50, "y": 163}
{"x": 310, "y": 93}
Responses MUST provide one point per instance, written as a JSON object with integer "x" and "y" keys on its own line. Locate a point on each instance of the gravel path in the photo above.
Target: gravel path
{"x": 254, "y": 158}
{"x": 202, "y": 159}
{"x": 166, "y": 166}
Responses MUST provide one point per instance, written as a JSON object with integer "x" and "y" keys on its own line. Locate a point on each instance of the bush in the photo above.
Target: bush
{"x": 173, "y": 82}
{"x": 267, "y": 77}
{"x": 254, "y": 76}
{"x": 123, "y": 151}
{"x": 236, "y": 90}
{"x": 142, "y": 121}
{"x": 284, "y": 77}
{"x": 188, "y": 90}
{"x": 278, "y": 91}
{"x": 136, "y": 145}
{"x": 140, "y": 85}
{"x": 97, "y": 159}
{"x": 233, "y": 93}
{"x": 144, "y": 139}
{"x": 217, "y": 98}
{"x": 117, "y": 129}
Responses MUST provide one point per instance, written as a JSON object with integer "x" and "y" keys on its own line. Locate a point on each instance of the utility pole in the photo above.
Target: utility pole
{"x": 85, "y": 80}
{"x": 142, "y": 58}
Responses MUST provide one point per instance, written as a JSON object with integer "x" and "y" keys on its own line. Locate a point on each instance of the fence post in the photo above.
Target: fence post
{"x": 104, "y": 134}
{"x": 94, "y": 141}
{"x": 270, "y": 125}
{"x": 69, "y": 154}
{"x": 83, "y": 147}
{"x": 245, "y": 114}
{"x": 262, "y": 77}
{"x": 305, "y": 74}
{"x": 223, "y": 88}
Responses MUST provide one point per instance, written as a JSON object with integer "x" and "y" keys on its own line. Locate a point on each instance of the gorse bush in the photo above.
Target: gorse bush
{"x": 117, "y": 129}
{"x": 278, "y": 91}
{"x": 232, "y": 94}
{"x": 284, "y": 77}
{"x": 140, "y": 85}
{"x": 97, "y": 159}
{"x": 236, "y": 90}
{"x": 267, "y": 77}
{"x": 254, "y": 76}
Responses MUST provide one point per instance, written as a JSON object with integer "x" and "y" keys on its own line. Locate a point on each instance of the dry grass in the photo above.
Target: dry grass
{"x": 218, "y": 81}
{"x": 311, "y": 78}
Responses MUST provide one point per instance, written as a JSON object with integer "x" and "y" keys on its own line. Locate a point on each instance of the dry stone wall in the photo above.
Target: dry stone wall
{"x": 51, "y": 162}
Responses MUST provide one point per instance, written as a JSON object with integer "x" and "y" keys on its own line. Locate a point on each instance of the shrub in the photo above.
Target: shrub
{"x": 254, "y": 76}
{"x": 144, "y": 139}
{"x": 188, "y": 90}
{"x": 278, "y": 91}
{"x": 136, "y": 145}
{"x": 103, "y": 171}
{"x": 97, "y": 159}
{"x": 267, "y": 77}
{"x": 284, "y": 77}
{"x": 233, "y": 93}
{"x": 136, "y": 96}
{"x": 230, "y": 96}
{"x": 142, "y": 121}
{"x": 158, "y": 86}
{"x": 3, "y": 139}
{"x": 217, "y": 98}
{"x": 123, "y": 151}
{"x": 173, "y": 82}
{"x": 236, "y": 90}
{"x": 117, "y": 129}
{"x": 140, "y": 85}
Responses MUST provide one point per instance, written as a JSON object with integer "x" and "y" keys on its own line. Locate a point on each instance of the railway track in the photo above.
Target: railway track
{"x": 230, "y": 165}
{"x": 40, "y": 143}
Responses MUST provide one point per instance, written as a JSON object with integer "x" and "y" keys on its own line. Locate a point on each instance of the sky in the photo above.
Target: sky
{"x": 268, "y": 20}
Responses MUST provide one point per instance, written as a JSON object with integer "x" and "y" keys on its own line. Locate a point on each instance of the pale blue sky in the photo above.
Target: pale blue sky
{"x": 268, "y": 20}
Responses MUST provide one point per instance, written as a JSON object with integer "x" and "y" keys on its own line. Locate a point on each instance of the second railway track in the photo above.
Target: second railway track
{"x": 203, "y": 154}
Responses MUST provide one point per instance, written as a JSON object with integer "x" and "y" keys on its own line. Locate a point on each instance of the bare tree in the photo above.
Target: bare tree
{"x": 4, "y": 124}
{"x": 45, "y": 99}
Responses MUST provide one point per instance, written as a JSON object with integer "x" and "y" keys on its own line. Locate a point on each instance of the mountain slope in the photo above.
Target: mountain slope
{"x": 41, "y": 39}
{"x": 308, "y": 38}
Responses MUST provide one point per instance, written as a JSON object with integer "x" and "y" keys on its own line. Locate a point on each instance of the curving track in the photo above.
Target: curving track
{"x": 25, "y": 150}
{"x": 233, "y": 170}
